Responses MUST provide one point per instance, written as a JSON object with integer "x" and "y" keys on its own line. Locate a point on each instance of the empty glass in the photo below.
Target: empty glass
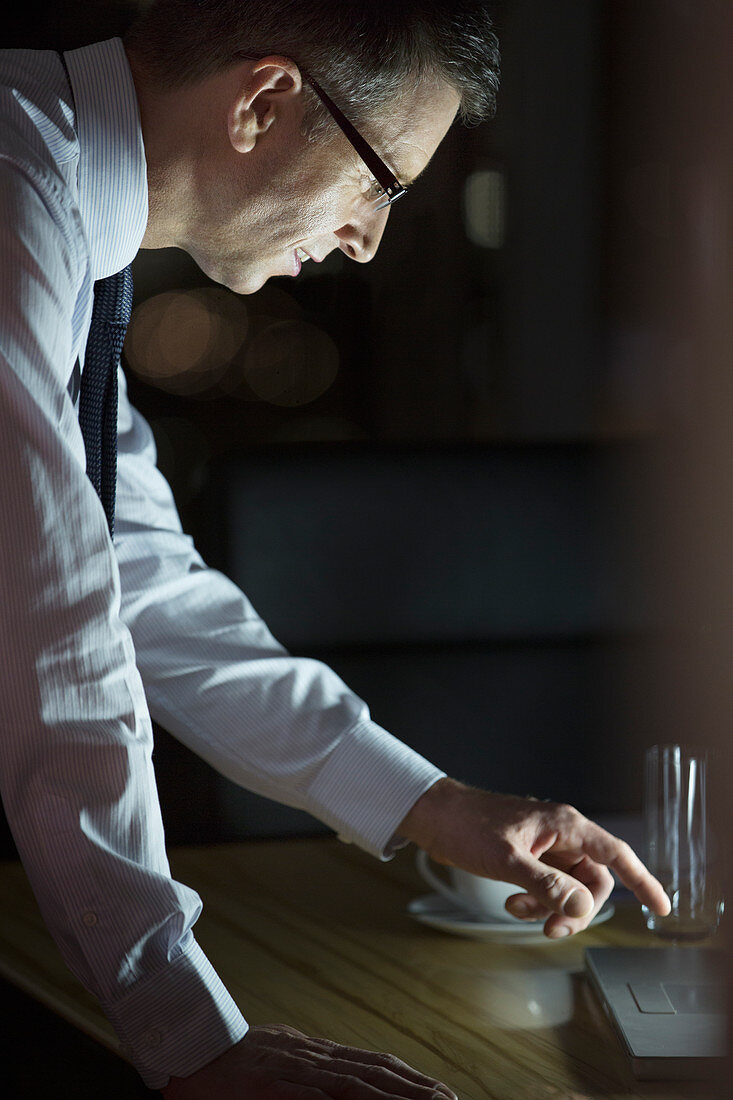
{"x": 679, "y": 844}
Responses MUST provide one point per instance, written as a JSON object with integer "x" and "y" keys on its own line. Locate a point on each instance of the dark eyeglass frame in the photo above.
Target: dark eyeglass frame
{"x": 391, "y": 187}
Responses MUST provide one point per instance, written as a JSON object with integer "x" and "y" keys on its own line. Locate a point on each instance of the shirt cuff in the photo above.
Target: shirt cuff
{"x": 368, "y": 785}
{"x": 177, "y": 1020}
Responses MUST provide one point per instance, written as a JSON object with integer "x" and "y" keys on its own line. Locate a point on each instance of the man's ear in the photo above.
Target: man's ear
{"x": 268, "y": 89}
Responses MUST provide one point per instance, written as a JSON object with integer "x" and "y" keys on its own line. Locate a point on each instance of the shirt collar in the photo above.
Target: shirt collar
{"x": 113, "y": 189}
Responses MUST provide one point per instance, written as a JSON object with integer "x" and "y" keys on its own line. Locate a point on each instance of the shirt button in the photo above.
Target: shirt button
{"x": 90, "y": 919}
{"x": 152, "y": 1038}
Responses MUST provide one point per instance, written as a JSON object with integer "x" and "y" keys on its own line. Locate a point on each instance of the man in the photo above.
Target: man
{"x": 212, "y": 129}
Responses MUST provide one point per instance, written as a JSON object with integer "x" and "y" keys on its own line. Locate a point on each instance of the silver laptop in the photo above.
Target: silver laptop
{"x": 667, "y": 1005}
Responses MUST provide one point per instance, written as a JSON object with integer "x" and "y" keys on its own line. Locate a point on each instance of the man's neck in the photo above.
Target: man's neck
{"x": 164, "y": 155}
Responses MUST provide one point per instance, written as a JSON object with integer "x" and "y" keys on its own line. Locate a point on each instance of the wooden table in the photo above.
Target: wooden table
{"x": 315, "y": 933}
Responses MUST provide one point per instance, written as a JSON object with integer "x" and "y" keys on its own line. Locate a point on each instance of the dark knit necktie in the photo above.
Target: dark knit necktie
{"x": 98, "y": 388}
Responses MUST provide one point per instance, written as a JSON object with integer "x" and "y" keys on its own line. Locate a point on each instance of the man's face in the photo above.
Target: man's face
{"x": 265, "y": 213}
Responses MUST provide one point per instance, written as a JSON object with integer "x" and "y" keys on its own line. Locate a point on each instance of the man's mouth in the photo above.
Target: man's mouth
{"x": 300, "y": 256}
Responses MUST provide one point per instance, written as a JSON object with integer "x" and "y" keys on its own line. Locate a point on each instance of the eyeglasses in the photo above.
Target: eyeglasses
{"x": 388, "y": 187}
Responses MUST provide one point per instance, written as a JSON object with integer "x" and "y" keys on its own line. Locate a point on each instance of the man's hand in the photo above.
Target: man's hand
{"x": 554, "y": 853}
{"x": 280, "y": 1063}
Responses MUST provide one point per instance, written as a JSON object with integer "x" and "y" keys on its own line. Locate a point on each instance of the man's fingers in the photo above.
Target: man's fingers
{"x": 598, "y": 880}
{"x": 372, "y": 1083}
{"x": 526, "y": 907}
{"x": 289, "y": 1091}
{"x": 551, "y": 887}
{"x": 616, "y": 854}
{"x": 382, "y": 1071}
{"x": 573, "y": 888}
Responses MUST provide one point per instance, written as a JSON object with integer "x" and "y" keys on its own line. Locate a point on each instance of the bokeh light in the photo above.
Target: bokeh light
{"x": 484, "y": 206}
{"x": 183, "y": 341}
{"x": 290, "y": 363}
{"x": 209, "y": 341}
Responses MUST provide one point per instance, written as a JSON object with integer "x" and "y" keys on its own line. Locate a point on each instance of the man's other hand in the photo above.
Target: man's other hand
{"x": 548, "y": 849}
{"x": 280, "y": 1063}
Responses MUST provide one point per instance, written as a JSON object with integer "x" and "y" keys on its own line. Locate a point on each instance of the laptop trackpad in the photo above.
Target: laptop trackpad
{"x": 671, "y": 998}
{"x": 651, "y": 997}
{"x": 695, "y": 997}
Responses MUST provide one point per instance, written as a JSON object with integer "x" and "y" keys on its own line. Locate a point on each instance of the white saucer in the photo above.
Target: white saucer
{"x": 438, "y": 912}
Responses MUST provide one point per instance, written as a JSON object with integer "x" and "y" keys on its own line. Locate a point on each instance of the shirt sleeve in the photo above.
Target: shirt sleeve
{"x": 283, "y": 726}
{"x": 75, "y": 732}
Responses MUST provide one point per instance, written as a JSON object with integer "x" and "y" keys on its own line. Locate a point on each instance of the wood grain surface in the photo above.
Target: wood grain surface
{"x": 315, "y": 934}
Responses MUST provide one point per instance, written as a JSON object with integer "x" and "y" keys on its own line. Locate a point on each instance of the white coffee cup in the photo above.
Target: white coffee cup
{"x": 482, "y": 897}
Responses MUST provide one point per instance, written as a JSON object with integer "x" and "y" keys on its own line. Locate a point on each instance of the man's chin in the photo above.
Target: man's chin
{"x": 238, "y": 284}
{"x": 237, "y": 281}
{"x": 246, "y": 286}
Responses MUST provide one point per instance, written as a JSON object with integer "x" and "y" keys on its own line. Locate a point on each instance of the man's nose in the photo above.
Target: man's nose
{"x": 359, "y": 237}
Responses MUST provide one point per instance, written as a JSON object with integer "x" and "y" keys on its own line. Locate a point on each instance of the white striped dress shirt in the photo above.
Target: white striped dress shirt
{"x": 95, "y": 638}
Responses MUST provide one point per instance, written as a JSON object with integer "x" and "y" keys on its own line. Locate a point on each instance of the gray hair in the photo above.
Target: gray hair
{"x": 367, "y": 55}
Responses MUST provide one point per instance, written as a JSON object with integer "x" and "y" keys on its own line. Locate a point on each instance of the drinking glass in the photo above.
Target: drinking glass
{"x": 679, "y": 845}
